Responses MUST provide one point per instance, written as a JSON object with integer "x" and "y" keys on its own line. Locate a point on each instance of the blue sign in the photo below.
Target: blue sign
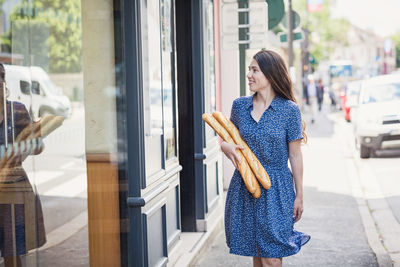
{"x": 341, "y": 70}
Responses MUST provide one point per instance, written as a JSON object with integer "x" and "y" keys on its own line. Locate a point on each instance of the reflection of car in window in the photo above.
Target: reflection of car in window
{"x": 377, "y": 115}
{"x": 25, "y": 87}
{"x": 35, "y": 88}
{"x": 32, "y": 86}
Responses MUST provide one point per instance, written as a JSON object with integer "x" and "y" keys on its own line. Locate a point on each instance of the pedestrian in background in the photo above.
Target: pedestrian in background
{"x": 320, "y": 94}
{"x": 271, "y": 124}
{"x": 312, "y": 96}
{"x": 332, "y": 96}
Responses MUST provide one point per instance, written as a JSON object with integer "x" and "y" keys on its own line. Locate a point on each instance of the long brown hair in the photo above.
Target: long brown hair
{"x": 274, "y": 69}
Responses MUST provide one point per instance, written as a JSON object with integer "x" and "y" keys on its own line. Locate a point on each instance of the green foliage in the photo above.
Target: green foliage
{"x": 327, "y": 33}
{"x": 396, "y": 40}
{"x": 47, "y": 33}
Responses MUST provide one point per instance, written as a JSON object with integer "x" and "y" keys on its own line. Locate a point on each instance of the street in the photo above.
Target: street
{"x": 341, "y": 203}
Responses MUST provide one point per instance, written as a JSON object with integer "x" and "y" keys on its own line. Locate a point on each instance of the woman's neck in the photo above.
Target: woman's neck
{"x": 265, "y": 97}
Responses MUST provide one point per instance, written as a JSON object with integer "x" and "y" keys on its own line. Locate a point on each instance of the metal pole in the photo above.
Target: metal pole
{"x": 5, "y": 115}
{"x": 290, "y": 33}
{"x": 243, "y": 19}
{"x": 305, "y": 68}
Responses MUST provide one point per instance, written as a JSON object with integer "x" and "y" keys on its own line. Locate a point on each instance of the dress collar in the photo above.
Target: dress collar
{"x": 274, "y": 104}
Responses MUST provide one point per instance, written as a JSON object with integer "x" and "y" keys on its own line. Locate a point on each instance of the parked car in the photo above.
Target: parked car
{"x": 350, "y": 98}
{"x": 377, "y": 115}
{"x": 32, "y": 86}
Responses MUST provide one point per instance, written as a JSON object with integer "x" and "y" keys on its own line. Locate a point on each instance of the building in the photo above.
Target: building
{"x": 133, "y": 166}
{"x": 132, "y": 176}
{"x": 369, "y": 53}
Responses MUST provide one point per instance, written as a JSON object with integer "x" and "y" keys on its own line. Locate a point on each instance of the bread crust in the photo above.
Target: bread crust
{"x": 35, "y": 130}
{"x": 244, "y": 168}
{"x": 254, "y": 163}
{"x": 49, "y": 125}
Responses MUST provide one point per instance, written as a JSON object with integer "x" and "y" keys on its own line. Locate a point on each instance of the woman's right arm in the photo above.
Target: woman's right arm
{"x": 230, "y": 152}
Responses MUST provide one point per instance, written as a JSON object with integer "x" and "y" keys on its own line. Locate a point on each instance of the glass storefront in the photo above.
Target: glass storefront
{"x": 158, "y": 85}
{"x": 89, "y": 168}
{"x": 209, "y": 61}
{"x": 59, "y": 191}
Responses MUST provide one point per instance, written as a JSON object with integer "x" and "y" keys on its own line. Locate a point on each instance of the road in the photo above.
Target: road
{"x": 384, "y": 166}
{"x": 380, "y": 180}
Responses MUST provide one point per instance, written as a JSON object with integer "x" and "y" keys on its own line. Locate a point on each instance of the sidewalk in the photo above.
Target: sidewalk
{"x": 332, "y": 214}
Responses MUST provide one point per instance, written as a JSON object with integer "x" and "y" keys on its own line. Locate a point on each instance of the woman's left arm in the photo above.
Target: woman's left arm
{"x": 296, "y": 163}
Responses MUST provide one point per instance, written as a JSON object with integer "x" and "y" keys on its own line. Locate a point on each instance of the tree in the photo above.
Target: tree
{"x": 47, "y": 33}
{"x": 396, "y": 40}
{"x": 327, "y": 33}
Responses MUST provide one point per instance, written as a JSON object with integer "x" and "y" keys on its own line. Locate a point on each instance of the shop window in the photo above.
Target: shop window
{"x": 43, "y": 196}
{"x": 209, "y": 61}
{"x": 168, "y": 77}
{"x": 152, "y": 94}
{"x": 158, "y": 84}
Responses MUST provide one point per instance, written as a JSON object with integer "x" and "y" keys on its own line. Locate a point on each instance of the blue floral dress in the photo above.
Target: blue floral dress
{"x": 265, "y": 225}
{"x": 21, "y": 216}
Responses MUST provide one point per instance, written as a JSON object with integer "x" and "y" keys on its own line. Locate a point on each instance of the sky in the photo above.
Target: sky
{"x": 381, "y": 16}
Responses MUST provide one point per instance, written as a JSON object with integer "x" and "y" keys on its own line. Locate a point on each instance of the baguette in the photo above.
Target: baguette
{"x": 35, "y": 130}
{"x": 255, "y": 165}
{"x": 244, "y": 169}
{"x": 30, "y": 129}
{"x": 49, "y": 125}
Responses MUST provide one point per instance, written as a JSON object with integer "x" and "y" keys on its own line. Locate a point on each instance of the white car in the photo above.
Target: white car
{"x": 377, "y": 115}
{"x": 32, "y": 86}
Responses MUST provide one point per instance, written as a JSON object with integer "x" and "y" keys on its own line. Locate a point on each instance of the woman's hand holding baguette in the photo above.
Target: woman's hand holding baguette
{"x": 230, "y": 152}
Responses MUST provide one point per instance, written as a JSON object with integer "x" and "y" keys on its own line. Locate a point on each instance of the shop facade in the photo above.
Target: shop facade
{"x": 132, "y": 167}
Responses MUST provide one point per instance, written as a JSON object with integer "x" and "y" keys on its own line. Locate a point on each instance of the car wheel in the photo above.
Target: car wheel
{"x": 365, "y": 152}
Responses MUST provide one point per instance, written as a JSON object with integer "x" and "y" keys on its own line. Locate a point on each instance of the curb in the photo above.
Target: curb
{"x": 385, "y": 222}
{"x": 372, "y": 233}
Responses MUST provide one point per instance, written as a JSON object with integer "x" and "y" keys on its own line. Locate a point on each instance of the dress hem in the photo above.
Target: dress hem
{"x": 270, "y": 256}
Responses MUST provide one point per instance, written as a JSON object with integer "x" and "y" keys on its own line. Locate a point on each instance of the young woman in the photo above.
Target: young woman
{"x": 271, "y": 124}
{"x": 21, "y": 216}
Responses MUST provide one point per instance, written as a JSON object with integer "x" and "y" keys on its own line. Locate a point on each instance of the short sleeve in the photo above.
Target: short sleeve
{"x": 234, "y": 114}
{"x": 294, "y": 124}
{"x": 22, "y": 118}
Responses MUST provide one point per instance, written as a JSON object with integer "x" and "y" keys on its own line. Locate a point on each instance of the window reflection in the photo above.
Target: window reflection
{"x": 168, "y": 76}
{"x": 152, "y": 85}
{"x": 21, "y": 217}
{"x": 209, "y": 61}
{"x": 43, "y": 185}
{"x": 158, "y": 83}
